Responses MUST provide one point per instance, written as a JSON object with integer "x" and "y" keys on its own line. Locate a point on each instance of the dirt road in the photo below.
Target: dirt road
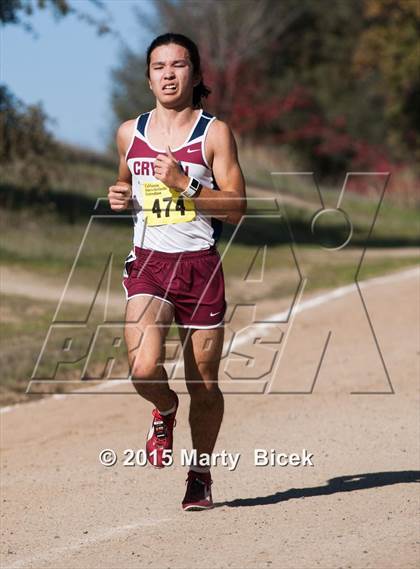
{"x": 355, "y": 508}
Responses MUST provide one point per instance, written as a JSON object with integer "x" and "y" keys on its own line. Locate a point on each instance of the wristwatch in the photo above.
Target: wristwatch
{"x": 193, "y": 187}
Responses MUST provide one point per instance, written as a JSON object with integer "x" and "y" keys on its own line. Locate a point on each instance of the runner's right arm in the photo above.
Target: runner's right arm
{"x": 119, "y": 195}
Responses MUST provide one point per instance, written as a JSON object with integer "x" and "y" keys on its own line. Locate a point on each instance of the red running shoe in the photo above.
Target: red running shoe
{"x": 160, "y": 438}
{"x": 198, "y": 494}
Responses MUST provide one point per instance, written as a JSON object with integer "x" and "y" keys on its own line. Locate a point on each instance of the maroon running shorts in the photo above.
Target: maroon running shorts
{"x": 192, "y": 281}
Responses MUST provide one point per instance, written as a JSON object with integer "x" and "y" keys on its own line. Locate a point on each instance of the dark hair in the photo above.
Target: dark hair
{"x": 200, "y": 91}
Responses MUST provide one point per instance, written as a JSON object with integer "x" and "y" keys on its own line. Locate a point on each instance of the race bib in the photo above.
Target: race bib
{"x": 163, "y": 206}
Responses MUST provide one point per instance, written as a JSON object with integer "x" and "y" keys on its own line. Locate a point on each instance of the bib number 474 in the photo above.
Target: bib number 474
{"x": 164, "y": 206}
{"x": 157, "y": 210}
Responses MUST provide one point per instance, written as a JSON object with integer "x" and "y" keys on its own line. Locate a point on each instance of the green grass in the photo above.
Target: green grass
{"x": 24, "y": 327}
{"x": 329, "y": 276}
{"x": 44, "y": 245}
{"x": 47, "y": 246}
{"x": 74, "y": 177}
{"x": 47, "y": 250}
{"x": 25, "y": 322}
{"x": 393, "y": 222}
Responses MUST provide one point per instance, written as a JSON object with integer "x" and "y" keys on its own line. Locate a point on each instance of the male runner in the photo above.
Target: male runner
{"x": 179, "y": 173}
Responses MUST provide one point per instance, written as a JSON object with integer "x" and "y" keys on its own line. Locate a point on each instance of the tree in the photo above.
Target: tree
{"x": 18, "y": 12}
{"x": 389, "y": 47}
{"x": 26, "y": 144}
{"x": 25, "y": 140}
{"x": 235, "y": 41}
{"x": 309, "y": 74}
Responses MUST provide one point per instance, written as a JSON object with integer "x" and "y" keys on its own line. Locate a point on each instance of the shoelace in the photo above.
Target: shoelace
{"x": 159, "y": 425}
{"x": 160, "y": 429}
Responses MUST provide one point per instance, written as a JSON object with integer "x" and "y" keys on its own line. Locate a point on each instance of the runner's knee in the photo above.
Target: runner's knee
{"x": 147, "y": 380}
{"x": 146, "y": 370}
{"x": 204, "y": 392}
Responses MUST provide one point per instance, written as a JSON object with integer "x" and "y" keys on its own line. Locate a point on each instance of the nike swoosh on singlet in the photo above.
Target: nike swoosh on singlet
{"x": 189, "y": 150}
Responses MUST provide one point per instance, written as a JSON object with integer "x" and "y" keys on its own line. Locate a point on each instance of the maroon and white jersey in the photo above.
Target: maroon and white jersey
{"x": 170, "y": 224}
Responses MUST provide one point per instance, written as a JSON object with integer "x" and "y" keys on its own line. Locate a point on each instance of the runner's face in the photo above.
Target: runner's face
{"x": 171, "y": 75}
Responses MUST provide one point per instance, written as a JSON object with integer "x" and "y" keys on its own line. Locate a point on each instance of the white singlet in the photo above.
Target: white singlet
{"x": 164, "y": 221}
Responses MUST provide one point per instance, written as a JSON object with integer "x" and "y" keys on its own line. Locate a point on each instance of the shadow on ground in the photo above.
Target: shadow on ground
{"x": 340, "y": 484}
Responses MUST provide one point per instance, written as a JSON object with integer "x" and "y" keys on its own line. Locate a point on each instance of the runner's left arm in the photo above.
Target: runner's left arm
{"x": 228, "y": 204}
